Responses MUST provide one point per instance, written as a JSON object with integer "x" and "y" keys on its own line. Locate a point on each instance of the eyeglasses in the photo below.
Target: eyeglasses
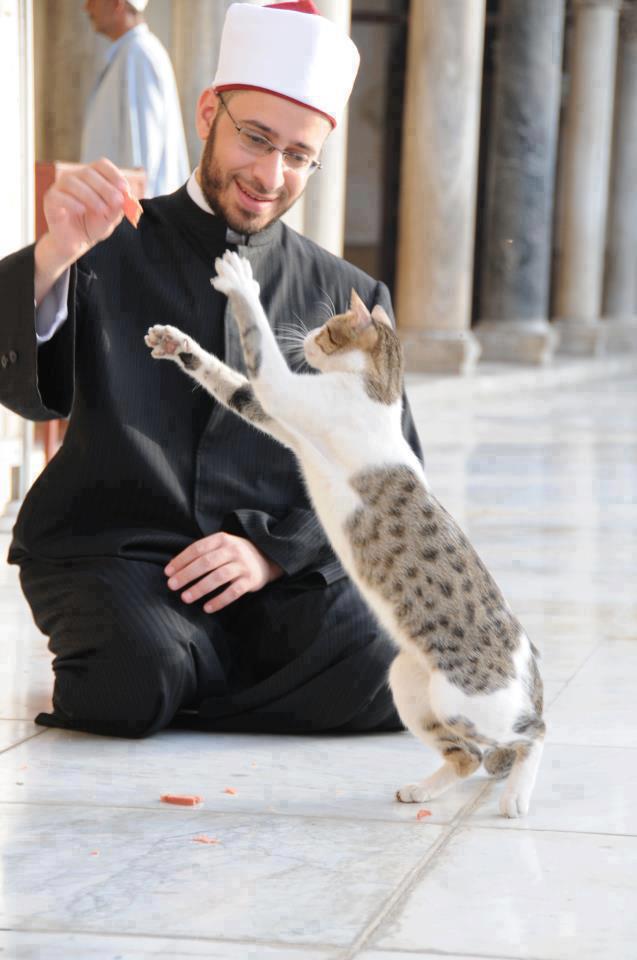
{"x": 258, "y": 145}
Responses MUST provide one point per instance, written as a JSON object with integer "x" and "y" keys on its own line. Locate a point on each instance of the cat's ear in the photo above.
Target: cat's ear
{"x": 379, "y": 314}
{"x": 362, "y": 318}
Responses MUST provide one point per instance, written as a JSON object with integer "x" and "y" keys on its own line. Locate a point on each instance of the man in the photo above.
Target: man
{"x": 169, "y": 550}
{"x": 133, "y": 115}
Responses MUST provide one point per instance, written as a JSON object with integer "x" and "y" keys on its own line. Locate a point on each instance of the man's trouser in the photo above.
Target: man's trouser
{"x": 132, "y": 658}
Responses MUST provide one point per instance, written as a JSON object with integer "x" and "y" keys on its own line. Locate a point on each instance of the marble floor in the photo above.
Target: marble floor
{"x": 314, "y": 859}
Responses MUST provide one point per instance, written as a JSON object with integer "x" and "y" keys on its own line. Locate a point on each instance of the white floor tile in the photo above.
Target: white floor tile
{"x": 512, "y": 893}
{"x": 598, "y": 707}
{"x": 310, "y": 881}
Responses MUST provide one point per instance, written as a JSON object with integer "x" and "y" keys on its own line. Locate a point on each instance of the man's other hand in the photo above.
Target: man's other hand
{"x": 218, "y": 560}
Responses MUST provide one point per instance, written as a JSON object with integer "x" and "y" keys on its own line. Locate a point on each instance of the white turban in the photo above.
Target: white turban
{"x": 290, "y": 50}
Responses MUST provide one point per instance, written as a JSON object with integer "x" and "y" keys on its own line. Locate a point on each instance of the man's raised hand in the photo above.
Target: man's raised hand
{"x": 84, "y": 206}
{"x": 81, "y": 208}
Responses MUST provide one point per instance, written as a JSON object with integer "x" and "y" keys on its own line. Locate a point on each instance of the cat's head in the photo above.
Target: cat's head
{"x": 360, "y": 342}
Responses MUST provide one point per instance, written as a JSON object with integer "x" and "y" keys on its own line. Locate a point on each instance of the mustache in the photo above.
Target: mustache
{"x": 259, "y": 190}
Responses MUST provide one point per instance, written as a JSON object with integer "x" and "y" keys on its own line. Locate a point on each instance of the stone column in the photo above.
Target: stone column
{"x": 584, "y": 183}
{"x": 438, "y": 184}
{"x": 324, "y": 220}
{"x": 620, "y": 282}
{"x": 514, "y": 296}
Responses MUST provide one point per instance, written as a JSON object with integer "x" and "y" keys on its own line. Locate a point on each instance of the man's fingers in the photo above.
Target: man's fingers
{"x": 69, "y": 206}
{"x": 111, "y": 173}
{"x": 196, "y": 550}
{"x": 234, "y": 591}
{"x": 90, "y": 187}
{"x": 109, "y": 193}
{"x": 197, "y": 567}
{"x": 83, "y": 192}
{"x": 214, "y": 580}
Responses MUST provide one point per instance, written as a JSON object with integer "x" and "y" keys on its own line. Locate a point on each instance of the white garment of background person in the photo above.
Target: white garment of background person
{"x": 133, "y": 115}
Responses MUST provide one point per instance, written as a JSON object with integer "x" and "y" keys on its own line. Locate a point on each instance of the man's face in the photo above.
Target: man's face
{"x": 100, "y": 13}
{"x": 251, "y": 192}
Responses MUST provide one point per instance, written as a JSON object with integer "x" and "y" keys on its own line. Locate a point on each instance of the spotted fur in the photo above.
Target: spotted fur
{"x": 411, "y": 551}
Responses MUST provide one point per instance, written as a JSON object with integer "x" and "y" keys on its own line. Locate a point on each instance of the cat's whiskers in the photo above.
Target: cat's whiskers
{"x": 324, "y": 311}
{"x": 302, "y": 325}
{"x": 330, "y": 305}
{"x": 295, "y": 353}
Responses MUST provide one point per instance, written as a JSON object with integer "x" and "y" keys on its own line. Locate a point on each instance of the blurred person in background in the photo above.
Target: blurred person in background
{"x": 133, "y": 115}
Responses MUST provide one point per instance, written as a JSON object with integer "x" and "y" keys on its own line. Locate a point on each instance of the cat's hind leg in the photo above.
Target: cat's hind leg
{"x": 409, "y": 682}
{"x": 515, "y": 800}
{"x": 497, "y": 761}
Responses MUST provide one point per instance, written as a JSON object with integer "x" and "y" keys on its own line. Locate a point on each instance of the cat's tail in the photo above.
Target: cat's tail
{"x": 498, "y": 761}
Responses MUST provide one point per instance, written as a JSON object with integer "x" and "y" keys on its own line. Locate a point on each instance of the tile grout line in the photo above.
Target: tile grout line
{"x": 112, "y": 934}
{"x": 162, "y": 808}
{"x": 448, "y": 827}
{"x": 460, "y": 819}
{"x": 405, "y": 887}
{"x": 572, "y": 677}
{"x": 18, "y": 743}
{"x": 446, "y": 953}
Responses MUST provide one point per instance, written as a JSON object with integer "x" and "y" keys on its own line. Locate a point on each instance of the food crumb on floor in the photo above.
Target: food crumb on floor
{"x": 183, "y": 799}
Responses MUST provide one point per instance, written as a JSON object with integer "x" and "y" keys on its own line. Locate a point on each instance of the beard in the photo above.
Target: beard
{"x": 215, "y": 184}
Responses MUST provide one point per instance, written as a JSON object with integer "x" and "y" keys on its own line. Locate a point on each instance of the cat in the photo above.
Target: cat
{"x": 466, "y": 679}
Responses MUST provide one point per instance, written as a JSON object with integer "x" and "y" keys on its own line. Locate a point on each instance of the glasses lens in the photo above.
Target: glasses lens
{"x": 295, "y": 161}
{"x": 254, "y": 142}
{"x": 260, "y": 146}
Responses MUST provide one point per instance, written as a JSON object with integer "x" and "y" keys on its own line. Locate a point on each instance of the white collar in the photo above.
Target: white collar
{"x": 196, "y": 193}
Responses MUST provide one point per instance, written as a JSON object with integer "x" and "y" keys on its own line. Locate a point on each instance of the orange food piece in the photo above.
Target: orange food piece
{"x": 202, "y": 838}
{"x": 422, "y": 814}
{"x": 230, "y": 790}
{"x": 132, "y": 209}
{"x": 184, "y": 799}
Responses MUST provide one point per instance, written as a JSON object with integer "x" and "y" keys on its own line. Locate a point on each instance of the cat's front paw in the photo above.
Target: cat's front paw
{"x": 165, "y": 342}
{"x": 234, "y": 275}
{"x": 413, "y": 793}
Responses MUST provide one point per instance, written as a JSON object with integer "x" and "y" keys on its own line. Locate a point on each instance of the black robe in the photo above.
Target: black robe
{"x": 150, "y": 464}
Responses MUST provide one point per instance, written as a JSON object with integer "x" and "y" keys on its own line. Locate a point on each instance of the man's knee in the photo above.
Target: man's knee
{"x": 135, "y": 697}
